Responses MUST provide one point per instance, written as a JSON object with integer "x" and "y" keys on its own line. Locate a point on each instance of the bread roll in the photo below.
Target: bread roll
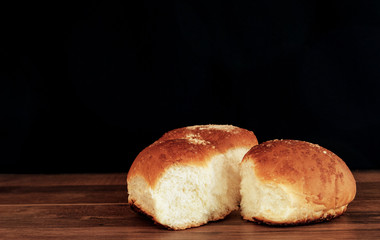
{"x": 190, "y": 175}
{"x": 291, "y": 182}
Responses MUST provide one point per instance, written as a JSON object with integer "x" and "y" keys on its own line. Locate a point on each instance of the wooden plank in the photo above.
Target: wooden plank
{"x": 63, "y": 194}
{"x": 111, "y": 233}
{"x": 93, "y": 206}
{"x": 367, "y": 190}
{"x": 120, "y": 215}
{"x": 62, "y": 188}
{"x": 62, "y": 179}
{"x": 66, "y": 215}
{"x": 367, "y": 175}
{"x": 117, "y": 221}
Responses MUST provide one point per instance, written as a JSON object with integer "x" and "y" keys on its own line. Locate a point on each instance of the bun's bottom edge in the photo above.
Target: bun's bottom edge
{"x": 146, "y": 215}
{"x": 325, "y": 218}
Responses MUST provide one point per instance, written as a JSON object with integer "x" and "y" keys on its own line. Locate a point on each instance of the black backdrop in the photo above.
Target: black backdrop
{"x": 85, "y": 87}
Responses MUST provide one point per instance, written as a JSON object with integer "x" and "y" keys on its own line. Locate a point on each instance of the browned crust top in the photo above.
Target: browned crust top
{"x": 189, "y": 145}
{"x": 223, "y": 137}
{"x": 153, "y": 160}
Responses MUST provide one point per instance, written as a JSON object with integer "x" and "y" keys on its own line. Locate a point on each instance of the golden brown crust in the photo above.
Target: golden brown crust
{"x": 154, "y": 159}
{"x": 190, "y": 145}
{"x": 307, "y": 169}
{"x": 223, "y": 137}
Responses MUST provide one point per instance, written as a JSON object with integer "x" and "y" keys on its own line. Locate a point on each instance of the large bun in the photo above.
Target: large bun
{"x": 190, "y": 175}
{"x": 294, "y": 182}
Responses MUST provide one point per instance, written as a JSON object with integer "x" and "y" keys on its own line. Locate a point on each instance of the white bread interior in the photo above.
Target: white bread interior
{"x": 189, "y": 196}
{"x": 300, "y": 197}
{"x": 186, "y": 194}
{"x": 278, "y": 204}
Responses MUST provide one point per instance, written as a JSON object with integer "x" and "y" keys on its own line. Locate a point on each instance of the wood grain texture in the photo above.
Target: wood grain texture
{"x": 93, "y": 206}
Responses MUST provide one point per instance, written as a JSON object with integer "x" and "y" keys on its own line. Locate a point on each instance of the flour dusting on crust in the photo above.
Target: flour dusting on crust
{"x": 226, "y": 128}
{"x": 196, "y": 139}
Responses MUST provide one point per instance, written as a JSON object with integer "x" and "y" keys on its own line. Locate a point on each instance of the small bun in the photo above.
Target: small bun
{"x": 291, "y": 182}
{"x": 190, "y": 175}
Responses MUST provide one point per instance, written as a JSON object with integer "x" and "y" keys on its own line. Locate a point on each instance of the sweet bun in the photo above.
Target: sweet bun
{"x": 289, "y": 182}
{"x": 190, "y": 176}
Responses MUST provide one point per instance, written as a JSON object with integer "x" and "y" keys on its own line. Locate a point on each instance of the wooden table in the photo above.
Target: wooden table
{"x": 93, "y": 206}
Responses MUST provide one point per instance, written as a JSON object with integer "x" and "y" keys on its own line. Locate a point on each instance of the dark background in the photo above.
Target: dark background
{"x": 85, "y": 87}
